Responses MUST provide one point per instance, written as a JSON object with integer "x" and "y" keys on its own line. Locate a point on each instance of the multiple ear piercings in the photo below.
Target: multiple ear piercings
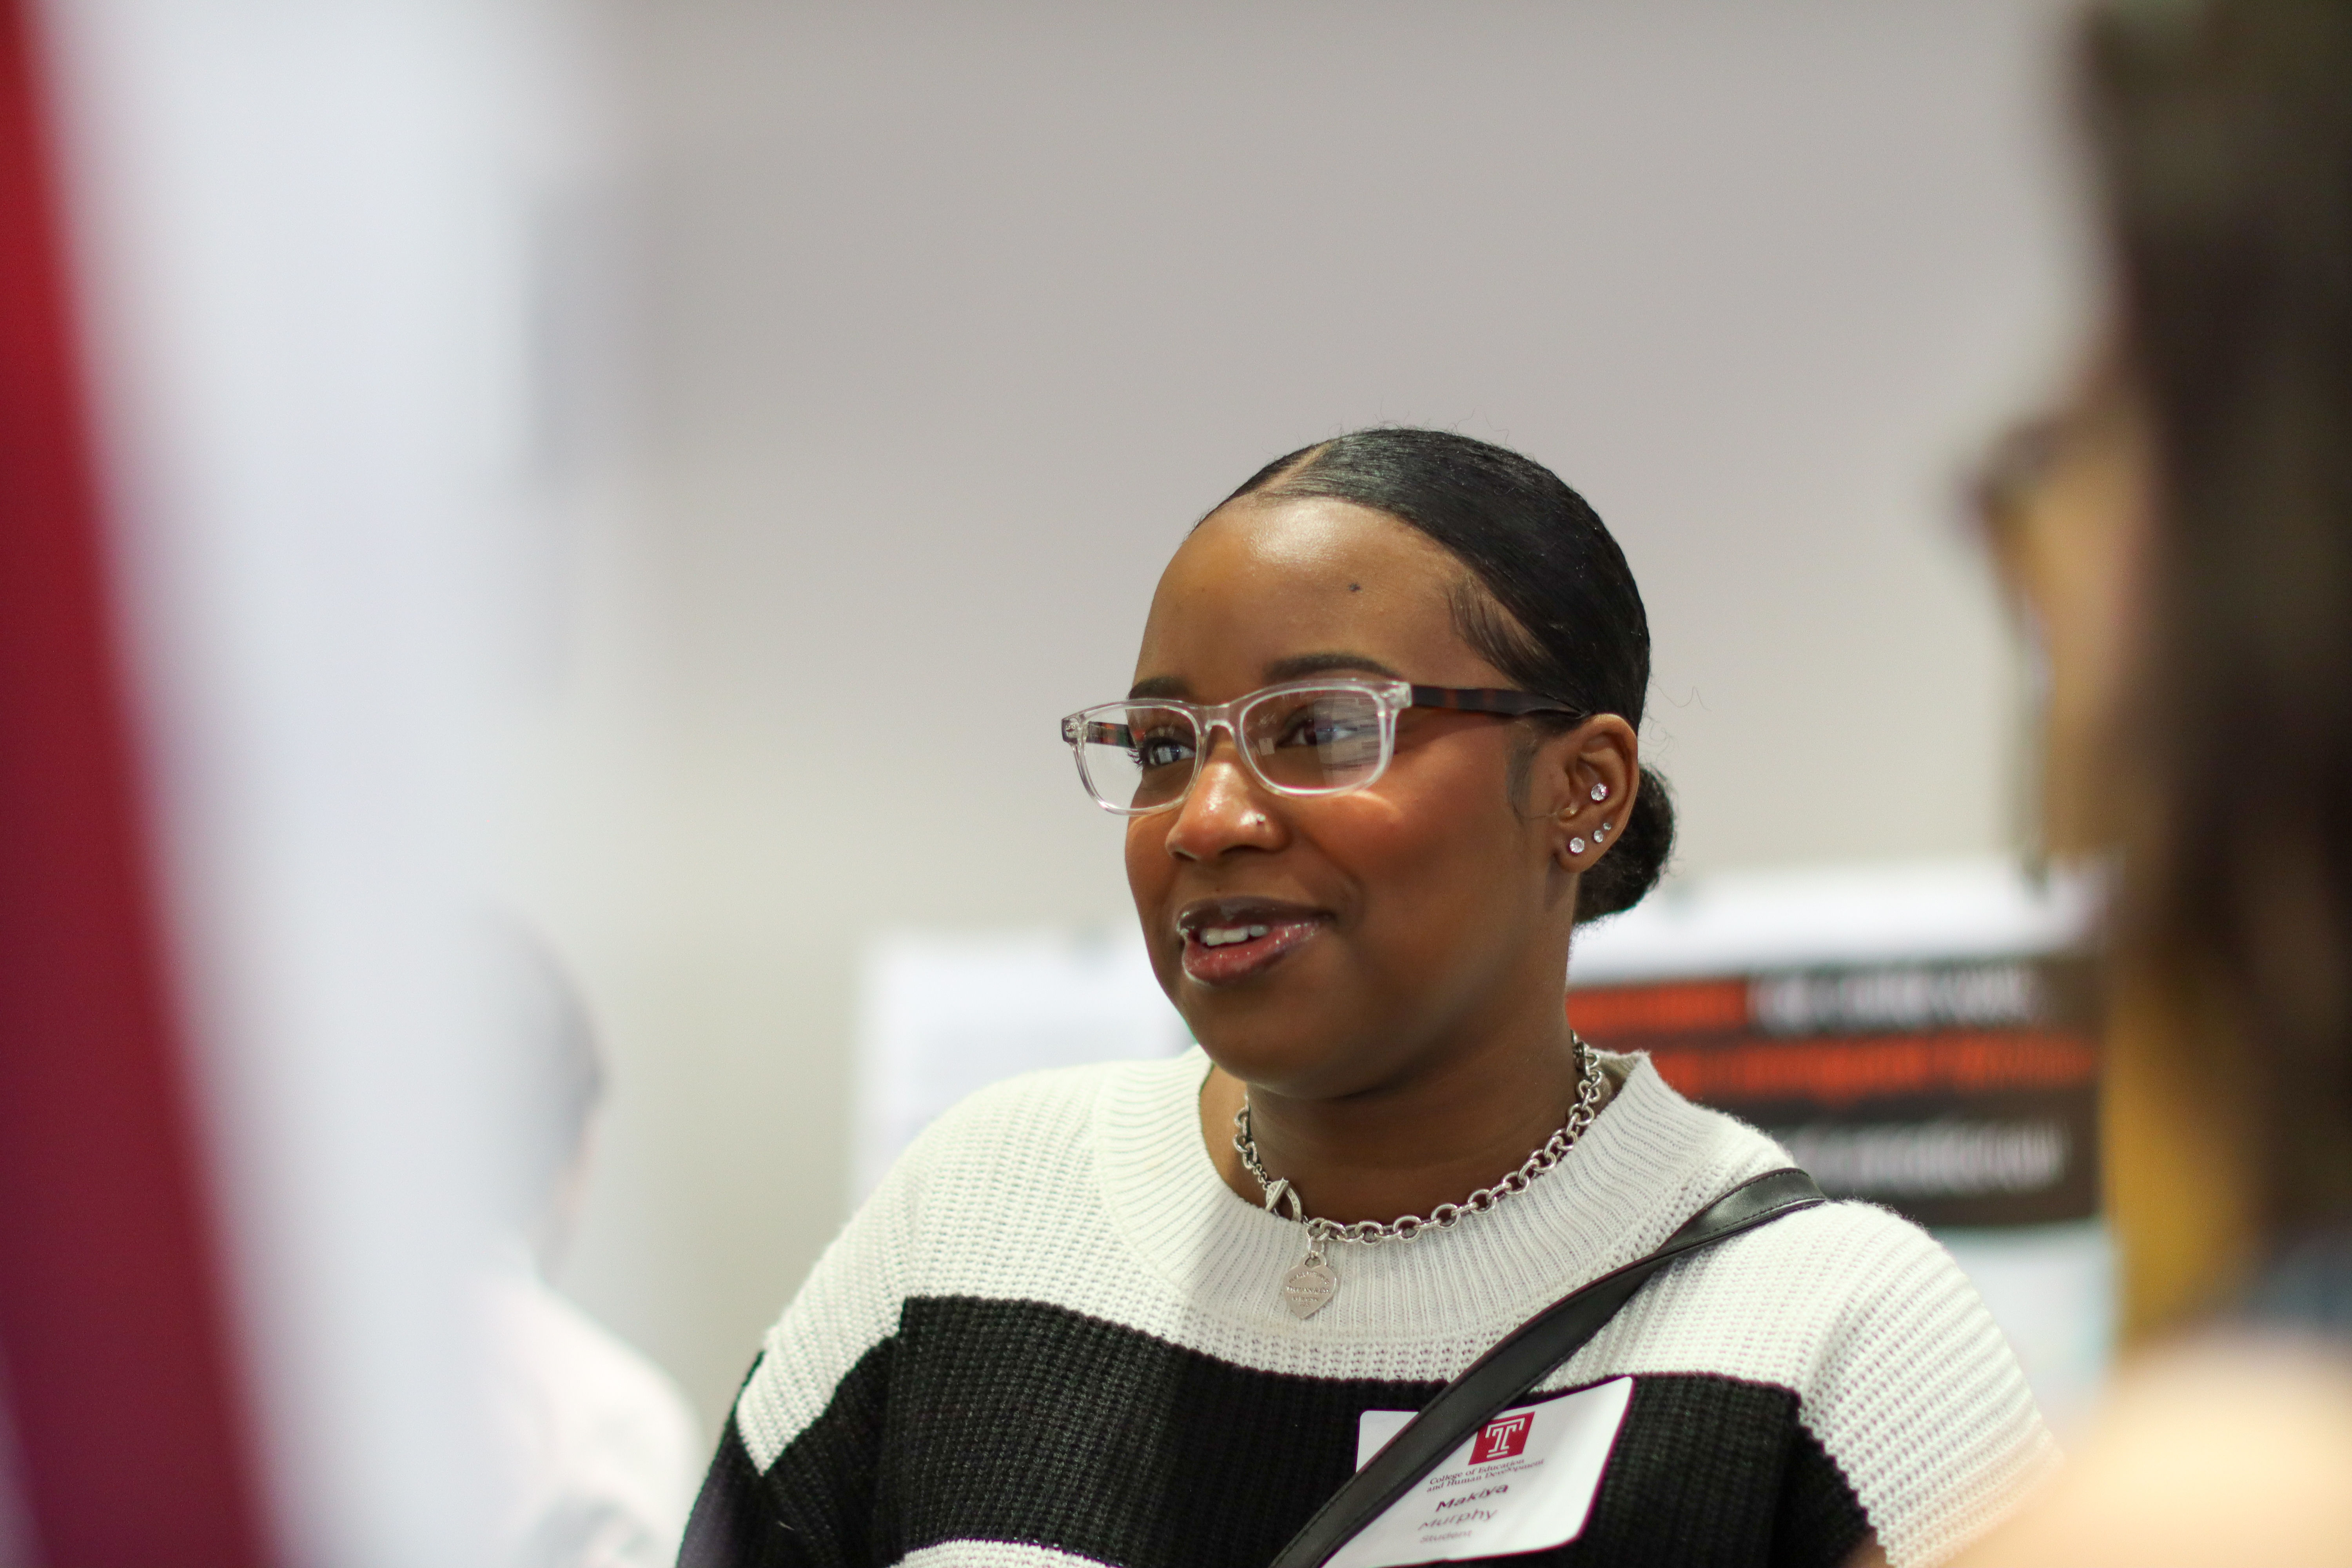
{"x": 1600, "y": 834}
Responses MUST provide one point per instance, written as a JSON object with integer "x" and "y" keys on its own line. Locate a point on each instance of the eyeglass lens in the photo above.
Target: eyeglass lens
{"x": 1140, "y": 756}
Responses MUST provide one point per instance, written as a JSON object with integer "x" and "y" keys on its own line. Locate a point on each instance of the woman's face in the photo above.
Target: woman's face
{"x": 1404, "y": 921}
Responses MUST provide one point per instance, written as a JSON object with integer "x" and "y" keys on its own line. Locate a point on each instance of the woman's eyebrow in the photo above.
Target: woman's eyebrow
{"x": 1281, "y": 669}
{"x": 1305, "y": 664}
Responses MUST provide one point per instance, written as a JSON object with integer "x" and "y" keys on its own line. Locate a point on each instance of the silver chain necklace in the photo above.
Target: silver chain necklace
{"x": 1314, "y": 1281}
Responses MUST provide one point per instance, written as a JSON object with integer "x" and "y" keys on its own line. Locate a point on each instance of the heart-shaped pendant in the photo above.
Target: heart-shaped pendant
{"x": 1306, "y": 1288}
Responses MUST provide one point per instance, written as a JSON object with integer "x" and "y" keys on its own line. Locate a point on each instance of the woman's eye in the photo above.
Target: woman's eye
{"x": 1161, "y": 751}
{"x": 1321, "y": 730}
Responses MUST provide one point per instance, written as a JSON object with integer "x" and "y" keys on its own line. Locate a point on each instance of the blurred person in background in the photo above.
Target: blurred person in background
{"x": 1138, "y": 1313}
{"x": 2180, "y": 538}
{"x": 599, "y": 1451}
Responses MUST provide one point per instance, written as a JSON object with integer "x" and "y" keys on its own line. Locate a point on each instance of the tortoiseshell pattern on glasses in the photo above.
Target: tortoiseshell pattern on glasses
{"x": 1490, "y": 700}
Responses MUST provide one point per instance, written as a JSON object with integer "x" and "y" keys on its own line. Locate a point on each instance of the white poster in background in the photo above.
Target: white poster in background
{"x": 941, "y": 1015}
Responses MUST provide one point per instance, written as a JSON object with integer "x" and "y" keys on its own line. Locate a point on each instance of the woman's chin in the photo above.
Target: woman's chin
{"x": 1291, "y": 1047}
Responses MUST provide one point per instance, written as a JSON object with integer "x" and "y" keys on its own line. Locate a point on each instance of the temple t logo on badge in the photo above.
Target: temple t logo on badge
{"x": 1537, "y": 1469}
{"x": 1501, "y": 1438}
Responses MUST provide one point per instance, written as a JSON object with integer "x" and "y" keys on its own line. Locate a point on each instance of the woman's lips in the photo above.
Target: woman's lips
{"x": 1225, "y": 944}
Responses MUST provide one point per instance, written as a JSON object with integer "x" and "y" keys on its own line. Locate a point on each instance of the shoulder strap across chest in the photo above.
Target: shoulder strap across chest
{"x": 1521, "y": 1359}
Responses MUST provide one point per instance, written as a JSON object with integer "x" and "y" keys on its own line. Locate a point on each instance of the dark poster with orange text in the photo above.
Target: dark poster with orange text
{"x": 1959, "y": 1094}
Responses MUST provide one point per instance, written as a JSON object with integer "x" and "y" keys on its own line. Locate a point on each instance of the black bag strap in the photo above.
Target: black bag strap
{"x": 1521, "y": 1359}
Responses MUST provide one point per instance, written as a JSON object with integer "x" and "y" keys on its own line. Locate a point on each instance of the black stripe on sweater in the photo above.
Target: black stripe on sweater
{"x": 1015, "y": 1421}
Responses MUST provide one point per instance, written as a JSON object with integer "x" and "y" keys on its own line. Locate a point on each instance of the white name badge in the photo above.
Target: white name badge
{"x": 1525, "y": 1482}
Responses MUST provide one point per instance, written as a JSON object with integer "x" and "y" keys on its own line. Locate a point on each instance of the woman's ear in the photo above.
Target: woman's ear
{"x": 1585, "y": 783}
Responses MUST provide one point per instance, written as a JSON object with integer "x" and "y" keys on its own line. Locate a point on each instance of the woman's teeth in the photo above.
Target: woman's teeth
{"x": 1224, "y": 936}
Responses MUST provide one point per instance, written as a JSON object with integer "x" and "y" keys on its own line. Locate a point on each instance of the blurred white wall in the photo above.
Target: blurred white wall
{"x": 943, "y": 321}
{"x": 301, "y": 233}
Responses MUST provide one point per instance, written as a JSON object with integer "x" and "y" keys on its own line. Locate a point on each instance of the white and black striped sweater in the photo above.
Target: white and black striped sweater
{"x": 1055, "y": 1336}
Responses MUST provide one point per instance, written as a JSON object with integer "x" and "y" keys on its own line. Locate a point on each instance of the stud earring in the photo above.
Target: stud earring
{"x": 1576, "y": 845}
{"x": 1600, "y": 832}
{"x": 1600, "y": 792}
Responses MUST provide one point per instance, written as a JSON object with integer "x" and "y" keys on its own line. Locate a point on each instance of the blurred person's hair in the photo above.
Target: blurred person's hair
{"x": 557, "y": 1077}
{"x": 2223, "y": 131}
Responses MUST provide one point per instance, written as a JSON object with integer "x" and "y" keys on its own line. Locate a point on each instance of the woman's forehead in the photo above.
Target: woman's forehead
{"x": 1264, "y": 581}
{"x": 1307, "y": 532}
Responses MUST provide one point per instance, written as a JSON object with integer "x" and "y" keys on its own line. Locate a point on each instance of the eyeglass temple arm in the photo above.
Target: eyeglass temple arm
{"x": 1487, "y": 699}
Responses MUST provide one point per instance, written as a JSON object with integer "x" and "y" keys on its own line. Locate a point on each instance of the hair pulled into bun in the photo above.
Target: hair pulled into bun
{"x": 1554, "y": 605}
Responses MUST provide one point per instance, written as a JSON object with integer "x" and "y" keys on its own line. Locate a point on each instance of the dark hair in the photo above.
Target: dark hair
{"x": 2223, "y": 134}
{"x": 1549, "y": 600}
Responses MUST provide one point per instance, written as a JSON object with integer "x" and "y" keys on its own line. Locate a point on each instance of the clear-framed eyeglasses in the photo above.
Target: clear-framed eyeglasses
{"x": 1305, "y": 738}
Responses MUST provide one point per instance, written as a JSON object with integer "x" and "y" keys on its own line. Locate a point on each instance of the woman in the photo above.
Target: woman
{"x": 1380, "y": 758}
{"x": 2183, "y": 536}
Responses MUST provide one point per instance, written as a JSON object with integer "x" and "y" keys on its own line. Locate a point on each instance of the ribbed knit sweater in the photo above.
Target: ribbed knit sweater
{"x": 1055, "y": 1336}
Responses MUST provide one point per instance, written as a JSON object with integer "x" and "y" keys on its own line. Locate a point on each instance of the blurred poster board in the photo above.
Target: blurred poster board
{"x": 942, "y": 1014}
{"x": 1908, "y": 1031}
{"x": 1917, "y": 1036}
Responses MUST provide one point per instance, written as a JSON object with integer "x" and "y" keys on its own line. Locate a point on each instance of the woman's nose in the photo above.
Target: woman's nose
{"x": 1226, "y": 808}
